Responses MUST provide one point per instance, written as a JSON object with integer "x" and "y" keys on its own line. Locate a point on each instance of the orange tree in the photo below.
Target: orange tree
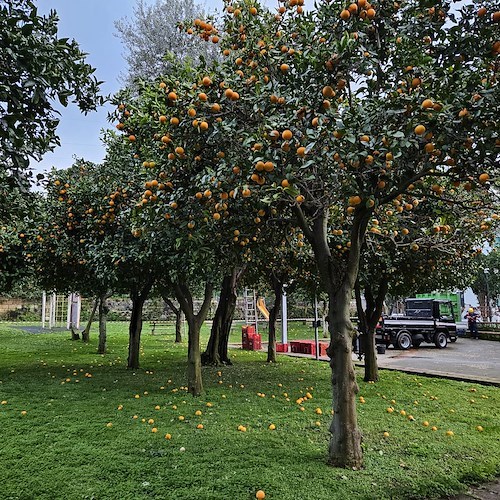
{"x": 17, "y": 206}
{"x": 182, "y": 133}
{"x": 284, "y": 264}
{"x": 55, "y": 243}
{"x": 42, "y": 69}
{"x": 429, "y": 247}
{"x": 167, "y": 125}
{"x": 83, "y": 240}
{"x": 340, "y": 111}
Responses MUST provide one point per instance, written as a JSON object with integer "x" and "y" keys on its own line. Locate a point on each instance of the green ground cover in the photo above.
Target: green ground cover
{"x": 79, "y": 439}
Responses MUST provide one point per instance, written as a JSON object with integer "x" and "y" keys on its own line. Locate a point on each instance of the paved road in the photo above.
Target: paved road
{"x": 466, "y": 358}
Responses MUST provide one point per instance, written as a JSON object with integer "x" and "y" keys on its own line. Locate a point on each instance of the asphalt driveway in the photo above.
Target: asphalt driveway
{"x": 466, "y": 359}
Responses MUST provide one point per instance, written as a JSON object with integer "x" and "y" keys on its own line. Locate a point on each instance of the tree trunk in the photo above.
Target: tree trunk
{"x": 371, "y": 315}
{"x": 362, "y": 324}
{"x": 216, "y": 352}
{"x": 371, "y": 363}
{"x": 74, "y": 334}
{"x": 194, "y": 321}
{"x": 339, "y": 278}
{"x": 86, "y": 331}
{"x": 227, "y": 323}
{"x": 103, "y": 318}
{"x": 135, "y": 326}
{"x": 211, "y": 355}
{"x": 178, "y": 319}
{"x": 324, "y": 319}
{"x": 273, "y": 315}
{"x": 482, "y": 298}
{"x": 345, "y": 443}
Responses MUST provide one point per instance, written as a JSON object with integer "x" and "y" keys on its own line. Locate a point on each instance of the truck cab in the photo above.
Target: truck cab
{"x": 424, "y": 320}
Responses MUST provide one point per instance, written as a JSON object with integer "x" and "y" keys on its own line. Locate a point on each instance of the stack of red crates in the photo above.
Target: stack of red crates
{"x": 281, "y": 347}
{"x": 250, "y": 340}
{"x": 308, "y": 347}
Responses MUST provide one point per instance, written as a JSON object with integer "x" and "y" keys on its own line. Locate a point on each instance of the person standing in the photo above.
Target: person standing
{"x": 471, "y": 318}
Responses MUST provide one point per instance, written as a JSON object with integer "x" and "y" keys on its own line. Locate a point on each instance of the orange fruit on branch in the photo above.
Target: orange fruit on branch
{"x": 354, "y": 200}
{"x": 420, "y": 130}
{"x": 328, "y": 91}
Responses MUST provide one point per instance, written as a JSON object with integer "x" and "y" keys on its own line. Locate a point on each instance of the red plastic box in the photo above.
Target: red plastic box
{"x": 281, "y": 347}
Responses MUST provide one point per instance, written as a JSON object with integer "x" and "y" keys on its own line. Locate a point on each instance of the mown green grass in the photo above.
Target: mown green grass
{"x": 63, "y": 448}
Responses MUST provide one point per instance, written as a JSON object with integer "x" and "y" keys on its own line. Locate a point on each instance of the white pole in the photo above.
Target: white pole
{"x": 316, "y": 339}
{"x": 44, "y": 305}
{"x": 78, "y": 310}
{"x": 255, "y": 311}
{"x": 284, "y": 319}
{"x": 69, "y": 311}
{"x": 53, "y": 306}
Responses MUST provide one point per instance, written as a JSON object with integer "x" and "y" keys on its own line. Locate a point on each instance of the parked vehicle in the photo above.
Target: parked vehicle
{"x": 424, "y": 320}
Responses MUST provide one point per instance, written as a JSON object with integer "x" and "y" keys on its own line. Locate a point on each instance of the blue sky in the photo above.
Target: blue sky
{"x": 91, "y": 24}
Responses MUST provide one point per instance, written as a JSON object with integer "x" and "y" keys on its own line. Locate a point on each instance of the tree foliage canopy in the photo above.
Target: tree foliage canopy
{"x": 37, "y": 69}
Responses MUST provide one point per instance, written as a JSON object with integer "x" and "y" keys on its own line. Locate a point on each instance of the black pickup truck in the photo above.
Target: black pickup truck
{"x": 425, "y": 320}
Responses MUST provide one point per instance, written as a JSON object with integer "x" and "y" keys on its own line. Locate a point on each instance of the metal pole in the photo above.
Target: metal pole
{"x": 254, "y": 303}
{"x": 284, "y": 321}
{"x": 488, "y": 305}
{"x": 78, "y": 310}
{"x": 44, "y": 305}
{"x": 69, "y": 312}
{"x": 316, "y": 339}
{"x": 52, "y": 312}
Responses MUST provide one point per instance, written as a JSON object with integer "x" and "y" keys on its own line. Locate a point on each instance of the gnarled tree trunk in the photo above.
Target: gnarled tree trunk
{"x": 103, "y": 318}
{"x": 74, "y": 334}
{"x": 273, "y": 315}
{"x": 194, "y": 321}
{"x": 135, "y": 326}
{"x": 216, "y": 352}
{"x": 368, "y": 319}
{"x": 178, "y": 318}
{"x": 86, "y": 331}
{"x": 339, "y": 278}
{"x": 324, "y": 318}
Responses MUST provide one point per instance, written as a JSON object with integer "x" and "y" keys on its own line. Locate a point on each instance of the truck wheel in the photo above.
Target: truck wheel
{"x": 403, "y": 341}
{"x": 441, "y": 340}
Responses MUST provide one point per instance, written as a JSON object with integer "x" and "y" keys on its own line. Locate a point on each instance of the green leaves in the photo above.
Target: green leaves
{"x": 40, "y": 69}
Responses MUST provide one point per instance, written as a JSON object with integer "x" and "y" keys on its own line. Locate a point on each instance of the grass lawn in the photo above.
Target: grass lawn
{"x": 76, "y": 425}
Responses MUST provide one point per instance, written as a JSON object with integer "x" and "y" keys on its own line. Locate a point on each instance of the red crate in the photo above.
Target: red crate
{"x": 257, "y": 342}
{"x": 308, "y": 347}
{"x": 251, "y": 329}
{"x": 323, "y": 346}
{"x": 296, "y": 346}
{"x": 281, "y": 347}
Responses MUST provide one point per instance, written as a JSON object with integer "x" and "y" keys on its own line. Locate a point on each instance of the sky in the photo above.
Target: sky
{"x": 91, "y": 24}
